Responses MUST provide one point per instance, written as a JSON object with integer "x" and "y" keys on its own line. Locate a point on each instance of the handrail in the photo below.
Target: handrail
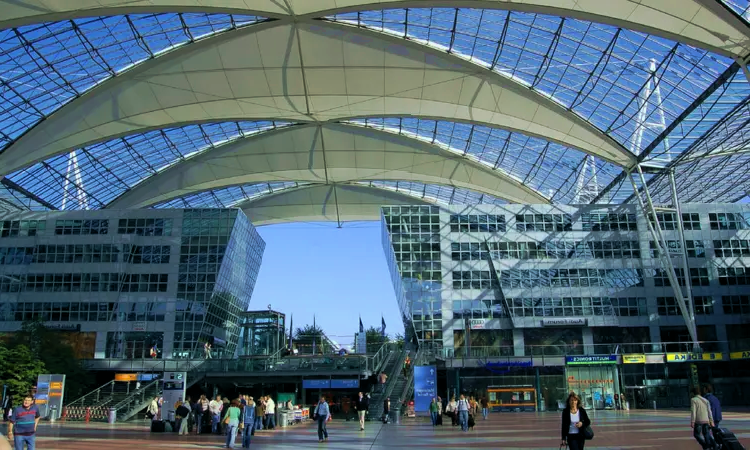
{"x": 128, "y": 400}
{"x": 379, "y": 356}
{"x": 90, "y": 393}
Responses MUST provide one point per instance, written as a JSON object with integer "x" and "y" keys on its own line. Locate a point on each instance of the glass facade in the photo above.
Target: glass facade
{"x": 514, "y": 270}
{"x": 171, "y": 278}
{"x": 263, "y": 333}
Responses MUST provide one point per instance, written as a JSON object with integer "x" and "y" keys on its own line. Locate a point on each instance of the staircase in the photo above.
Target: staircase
{"x": 393, "y": 368}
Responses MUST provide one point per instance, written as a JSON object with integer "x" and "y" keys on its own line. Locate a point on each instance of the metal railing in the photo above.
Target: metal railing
{"x": 375, "y": 362}
{"x": 94, "y": 397}
{"x": 138, "y": 400}
{"x": 307, "y": 363}
{"x": 595, "y": 349}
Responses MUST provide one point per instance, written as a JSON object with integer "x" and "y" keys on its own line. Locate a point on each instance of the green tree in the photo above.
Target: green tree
{"x": 305, "y": 336}
{"x": 55, "y": 355}
{"x": 19, "y": 369}
{"x": 399, "y": 340}
{"x": 375, "y": 339}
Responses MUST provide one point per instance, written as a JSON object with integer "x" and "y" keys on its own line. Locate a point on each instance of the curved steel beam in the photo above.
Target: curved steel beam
{"x": 316, "y": 72}
{"x": 330, "y": 153}
{"x": 699, "y": 23}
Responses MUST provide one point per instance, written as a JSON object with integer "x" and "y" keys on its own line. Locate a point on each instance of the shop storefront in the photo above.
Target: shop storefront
{"x": 594, "y": 378}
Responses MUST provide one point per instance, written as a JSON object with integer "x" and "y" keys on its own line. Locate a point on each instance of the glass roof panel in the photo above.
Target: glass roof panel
{"x": 741, "y": 7}
{"x": 108, "y": 169}
{"x": 628, "y": 84}
{"x": 551, "y": 169}
{"x": 447, "y": 195}
{"x": 228, "y": 197}
{"x": 42, "y": 67}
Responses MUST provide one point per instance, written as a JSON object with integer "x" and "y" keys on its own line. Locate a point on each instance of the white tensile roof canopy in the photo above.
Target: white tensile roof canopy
{"x": 323, "y": 110}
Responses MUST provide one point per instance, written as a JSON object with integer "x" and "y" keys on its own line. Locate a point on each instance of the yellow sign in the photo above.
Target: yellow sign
{"x": 126, "y": 377}
{"x": 55, "y": 385}
{"x": 634, "y": 358}
{"x": 687, "y": 357}
{"x": 740, "y": 355}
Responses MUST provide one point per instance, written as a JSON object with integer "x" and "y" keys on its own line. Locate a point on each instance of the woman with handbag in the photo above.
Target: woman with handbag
{"x": 576, "y": 426}
{"x": 232, "y": 422}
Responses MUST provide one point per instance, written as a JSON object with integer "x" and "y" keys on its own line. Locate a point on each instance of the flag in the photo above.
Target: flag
{"x": 291, "y": 332}
{"x": 361, "y": 327}
{"x": 382, "y": 326}
{"x": 315, "y": 329}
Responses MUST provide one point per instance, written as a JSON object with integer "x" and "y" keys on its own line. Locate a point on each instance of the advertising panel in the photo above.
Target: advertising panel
{"x": 590, "y": 360}
{"x": 425, "y": 387}
{"x": 740, "y": 355}
{"x": 345, "y": 384}
{"x": 49, "y": 395}
{"x": 634, "y": 358}
{"x": 173, "y": 391}
{"x": 565, "y": 322}
{"x": 316, "y": 384}
{"x": 687, "y": 357}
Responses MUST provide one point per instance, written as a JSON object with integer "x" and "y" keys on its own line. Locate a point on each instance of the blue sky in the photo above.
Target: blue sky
{"x": 336, "y": 274}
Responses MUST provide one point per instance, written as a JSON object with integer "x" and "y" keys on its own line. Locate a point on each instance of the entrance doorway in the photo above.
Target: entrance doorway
{"x": 595, "y": 385}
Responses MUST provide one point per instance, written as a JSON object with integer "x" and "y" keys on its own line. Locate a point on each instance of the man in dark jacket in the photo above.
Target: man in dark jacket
{"x": 708, "y": 394}
{"x": 361, "y": 403}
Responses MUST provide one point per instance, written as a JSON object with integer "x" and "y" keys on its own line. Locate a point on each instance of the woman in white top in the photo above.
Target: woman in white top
{"x": 701, "y": 419}
{"x": 574, "y": 420}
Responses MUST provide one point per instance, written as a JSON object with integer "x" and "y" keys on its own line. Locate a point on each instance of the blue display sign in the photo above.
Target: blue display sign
{"x": 316, "y": 384}
{"x": 345, "y": 384}
{"x": 588, "y": 360}
{"x": 425, "y": 387}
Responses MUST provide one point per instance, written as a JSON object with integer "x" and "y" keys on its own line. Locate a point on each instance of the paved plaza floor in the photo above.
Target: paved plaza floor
{"x": 614, "y": 430}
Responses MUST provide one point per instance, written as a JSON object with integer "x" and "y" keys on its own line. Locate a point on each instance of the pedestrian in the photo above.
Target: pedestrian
{"x": 382, "y": 379}
{"x": 574, "y": 421}
{"x": 182, "y": 414}
{"x": 463, "y": 407}
{"x": 224, "y": 410}
{"x": 260, "y": 413}
{"x": 248, "y": 422}
{"x": 701, "y": 420}
{"x": 322, "y": 415}
{"x": 708, "y": 394}
{"x": 201, "y": 412}
{"x": 232, "y": 421}
{"x": 440, "y": 411}
{"x": 361, "y": 405}
{"x": 386, "y": 409}
{"x": 452, "y": 411}
{"x": 22, "y": 424}
{"x": 215, "y": 406}
{"x": 270, "y": 413}
{"x": 207, "y": 350}
{"x": 434, "y": 410}
{"x": 485, "y": 408}
{"x": 152, "y": 412}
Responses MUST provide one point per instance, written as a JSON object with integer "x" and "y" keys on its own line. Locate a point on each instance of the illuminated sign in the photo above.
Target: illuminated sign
{"x": 126, "y": 377}
{"x": 634, "y": 358}
{"x": 740, "y": 355}
{"x": 688, "y": 357}
{"x": 590, "y": 360}
{"x": 565, "y": 322}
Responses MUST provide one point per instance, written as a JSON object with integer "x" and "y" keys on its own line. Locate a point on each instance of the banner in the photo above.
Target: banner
{"x": 425, "y": 387}
{"x": 634, "y": 358}
{"x": 590, "y": 360}
{"x": 687, "y": 357}
{"x": 740, "y": 355}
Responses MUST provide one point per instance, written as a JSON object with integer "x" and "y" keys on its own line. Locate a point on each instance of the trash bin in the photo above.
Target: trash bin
{"x": 112, "y": 417}
{"x": 284, "y": 420}
{"x": 395, "y": 416}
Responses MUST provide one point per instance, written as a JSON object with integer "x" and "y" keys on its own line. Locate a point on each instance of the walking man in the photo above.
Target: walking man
{"x": 23, "y": 423}
{"x": 463, "y": 413}
{"x": 361, "y": 404}
{"x": 485, "y": 407}
{"x": 322, "y": 414}
{"x": 714, "y": 402}
{"x": 215, "y": 406}
{"x": 270, "y": 413}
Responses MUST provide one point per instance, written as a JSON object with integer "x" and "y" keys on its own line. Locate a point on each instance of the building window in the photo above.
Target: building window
{"x": 667, "y": 306}
{"x": 736, "y": 304}
{"x": 695, "y": 249}
{"x": 729, "y": 221}
{"x": 698, "y": 277}
{"x": 668, "y": 221}
{"x": 11, "y": 256}
{"x": 146, "y": 254}
{"x": 145, "y": 227}
{"x": 77, "y": 227}
{"x": 609, "y": 222}
{"x": 484, "y": 223}
{"x": 613, "y": 278}
{"x": 471, "y": 279}
{"x": 554, "y": 249}
{"x": 85, "y": 282}
{"x": 630, "y": 306}
{"x": 76, "y": 253}
{"x": 11, "y": 228}
{"x": 734, "y": 276}
{"x": 730, "y": 248}
{"x": 544, "y": 222}
{"x": 561, "y": 307}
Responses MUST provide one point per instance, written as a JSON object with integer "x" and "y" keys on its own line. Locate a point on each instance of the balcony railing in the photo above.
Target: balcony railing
{"x": 322, "y": 363}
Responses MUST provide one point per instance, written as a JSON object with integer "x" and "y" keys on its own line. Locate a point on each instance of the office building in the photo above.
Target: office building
{"x": 132, "y": 279}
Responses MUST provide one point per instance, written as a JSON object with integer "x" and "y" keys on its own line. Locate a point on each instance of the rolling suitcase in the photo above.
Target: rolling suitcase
{"x": 727, "y": 439}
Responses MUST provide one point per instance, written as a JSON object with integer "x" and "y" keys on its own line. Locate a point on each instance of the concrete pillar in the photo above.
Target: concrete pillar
{"x": 100, "y": 347}
{"x": 588, "y": 341}
{"x": 721, "y": 336}
{"x": 518, "y": 342}
{"x": 655, "y": 334}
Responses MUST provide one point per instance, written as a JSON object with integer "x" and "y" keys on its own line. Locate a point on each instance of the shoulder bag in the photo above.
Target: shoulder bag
{"x": 588, "y": 433}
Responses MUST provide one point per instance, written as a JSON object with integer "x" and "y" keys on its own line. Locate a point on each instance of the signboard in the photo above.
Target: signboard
{"x": 590, "y": 360}
{"x": 316, "y": 384}
{"x": 147, "y": 376}
{"x": 565, "y": 322}
{"x": 687, "y": 357}
{"x": 126, "y": 377}
{"x": 477, "y": 324}
{"x": 49, "y": 395}
{"x": 740, "y": 355}
{"x": 345, "y": 384}
{"x": 361, "y": 343}
{"x": 173, "y": 390}
{"x": 634, "y": 358}
{"x": 139, "y": 326}
{"x": 425, "y": 387}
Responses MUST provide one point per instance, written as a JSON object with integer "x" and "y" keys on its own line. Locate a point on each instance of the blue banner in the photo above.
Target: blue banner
{"x": 345, "y": 384}
{"x": 316, "y": 384}
{"x": 425, "y": 387}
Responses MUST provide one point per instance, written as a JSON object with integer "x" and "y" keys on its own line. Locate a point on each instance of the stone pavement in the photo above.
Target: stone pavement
{"x": 667, "y": 429}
